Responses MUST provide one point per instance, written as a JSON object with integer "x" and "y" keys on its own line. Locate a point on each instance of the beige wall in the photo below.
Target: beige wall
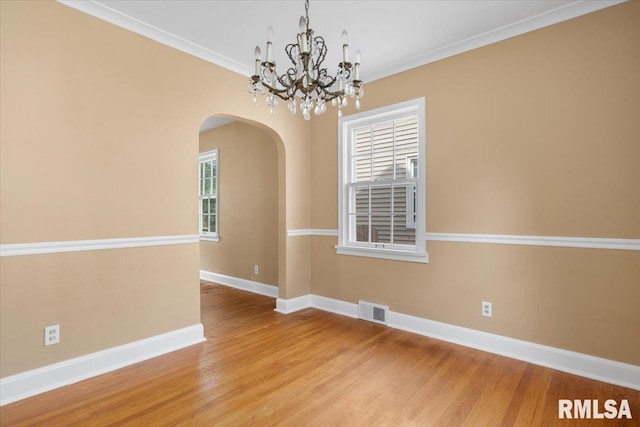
{"x": 248, "y": 201}
{"x": 99, "y": 139}
{"x": 100, "y": 299}
{"x": 535, "y": 135}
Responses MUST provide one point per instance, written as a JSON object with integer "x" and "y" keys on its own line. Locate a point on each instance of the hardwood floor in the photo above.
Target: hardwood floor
{"x": 312, "y": 368}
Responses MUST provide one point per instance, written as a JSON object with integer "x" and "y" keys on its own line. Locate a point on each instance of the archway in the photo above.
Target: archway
{"x": 245, "y": 220}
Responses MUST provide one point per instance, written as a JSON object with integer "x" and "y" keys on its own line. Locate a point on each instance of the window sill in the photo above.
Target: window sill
{"x": 421, "y": 257}
{"x": 210, "y": 238}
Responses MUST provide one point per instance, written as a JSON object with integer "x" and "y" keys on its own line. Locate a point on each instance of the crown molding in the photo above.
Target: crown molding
{"x": 562, "y": 13}
{"x": 127, "y": 22}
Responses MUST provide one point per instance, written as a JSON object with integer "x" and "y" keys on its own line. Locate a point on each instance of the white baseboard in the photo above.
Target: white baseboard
{"x": 286, "y": 306}
{"x": 584, "y": 365}
{"x": 335, "y": 306}
{"x": 40, "y": 380}
{"x": 244, "y": 284}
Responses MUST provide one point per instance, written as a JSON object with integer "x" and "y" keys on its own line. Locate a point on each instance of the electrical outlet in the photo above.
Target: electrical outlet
{"x": 51, "y": 335}
{"x": 256, "y": 269}
{"x": 486, "y": 309}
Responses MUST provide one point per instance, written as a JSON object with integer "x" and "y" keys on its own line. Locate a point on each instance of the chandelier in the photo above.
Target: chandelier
{"x": 306, "y": 83}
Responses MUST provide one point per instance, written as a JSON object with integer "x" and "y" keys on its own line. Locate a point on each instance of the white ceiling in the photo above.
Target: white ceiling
{"x": 393, "y": 35}
{"x": 214, "y": 122}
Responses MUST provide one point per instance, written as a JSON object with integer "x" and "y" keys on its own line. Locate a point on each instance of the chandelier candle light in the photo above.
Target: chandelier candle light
{"x": 307, "y": 83}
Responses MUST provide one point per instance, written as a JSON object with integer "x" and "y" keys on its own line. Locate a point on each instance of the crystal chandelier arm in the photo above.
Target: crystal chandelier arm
{"x": 289, "y": 82}
{"x": 289, "y": 78}
{"x": 269, "y": 79}
{"x": 322, "y": 49}
{"x": 307, "y": 78}
{"x": 290, "y": 50}
{"x": 277, "y": 92}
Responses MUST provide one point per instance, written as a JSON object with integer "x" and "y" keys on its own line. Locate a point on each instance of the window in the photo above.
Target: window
{"x": 382, "y": 183}
{"x": 208, "y": 195}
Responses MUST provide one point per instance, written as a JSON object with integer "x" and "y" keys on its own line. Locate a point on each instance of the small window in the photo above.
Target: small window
{"x": 208, "y": 195}
{"x": 382, "y": 183}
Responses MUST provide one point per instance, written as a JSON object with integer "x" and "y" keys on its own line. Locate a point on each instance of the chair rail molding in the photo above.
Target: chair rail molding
{"x": 508, "y": 239}
{"x": 18, "y": 249}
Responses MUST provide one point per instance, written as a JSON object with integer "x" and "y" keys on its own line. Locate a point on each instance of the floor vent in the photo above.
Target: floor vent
{"x": 373, "y": 312}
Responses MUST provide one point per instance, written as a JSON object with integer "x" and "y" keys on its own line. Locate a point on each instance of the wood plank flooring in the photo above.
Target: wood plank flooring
{"x": 312, "y": 368}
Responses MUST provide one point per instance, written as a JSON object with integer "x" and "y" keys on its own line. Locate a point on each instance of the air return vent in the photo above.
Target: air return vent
{"x": 373, "y": 312}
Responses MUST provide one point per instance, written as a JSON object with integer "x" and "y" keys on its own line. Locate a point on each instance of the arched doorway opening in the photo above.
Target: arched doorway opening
{"x": 242, "y": 223}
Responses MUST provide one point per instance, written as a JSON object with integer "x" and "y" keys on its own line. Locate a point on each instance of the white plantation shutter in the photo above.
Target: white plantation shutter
{"x": 378, "y": 190}
{"x": 380, "y": 177}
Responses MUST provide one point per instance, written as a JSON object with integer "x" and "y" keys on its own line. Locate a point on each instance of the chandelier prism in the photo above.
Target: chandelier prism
{"x": 306, "y": 84}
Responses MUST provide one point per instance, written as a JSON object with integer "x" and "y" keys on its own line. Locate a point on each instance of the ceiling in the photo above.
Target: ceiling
{"x": 214, "y": 122}
{"x": 392, "y": 35}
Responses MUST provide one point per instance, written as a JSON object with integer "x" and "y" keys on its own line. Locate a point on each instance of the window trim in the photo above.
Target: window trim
{"x": 203, "y": 157}
{"x": 346, "y": 126}
{"x": 411, "y": 217}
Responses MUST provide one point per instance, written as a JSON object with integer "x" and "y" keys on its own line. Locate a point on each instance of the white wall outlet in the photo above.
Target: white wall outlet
{"x": 486, "y": 309}
{"x": 256, "y": 269}
{"x": 51, "y": 335}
